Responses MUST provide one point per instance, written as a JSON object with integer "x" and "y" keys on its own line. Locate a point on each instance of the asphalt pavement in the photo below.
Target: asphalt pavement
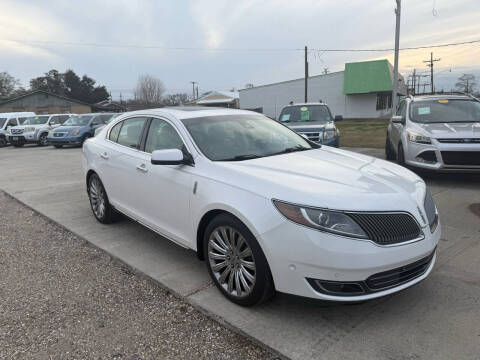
{"x": 439, "y": 318}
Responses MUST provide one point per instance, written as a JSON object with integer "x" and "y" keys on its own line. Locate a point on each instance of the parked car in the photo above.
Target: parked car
{"x": 77, "y": 129}
{"x": 35, "y": 129}
{"x": 266, "y": 208}
{"x": 98, "y": 129}
{"x": 312, "y": 120}
{"x": 436, "y": 132}
{"x": 7, "y": 121}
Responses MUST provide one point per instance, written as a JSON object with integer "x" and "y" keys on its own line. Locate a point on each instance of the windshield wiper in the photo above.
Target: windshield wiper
{"x": 292, "y": 149}
{"x": 242, "y": 157}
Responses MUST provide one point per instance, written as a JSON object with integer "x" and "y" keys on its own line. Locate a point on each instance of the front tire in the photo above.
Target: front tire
{"x": 42, "y": 141}
{"x": 389, "y": 154}
{"x": 101, "y": 208}
{"x": 236, "y": 262}
{"x": 400, "y": 155}
{"x": 3, "y": 142}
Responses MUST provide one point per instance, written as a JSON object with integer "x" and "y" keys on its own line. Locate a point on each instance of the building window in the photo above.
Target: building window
{"x": 384, "y": 101}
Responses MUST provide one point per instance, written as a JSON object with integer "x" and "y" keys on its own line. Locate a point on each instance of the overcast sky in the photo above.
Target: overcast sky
{"x": 212, "y": 26}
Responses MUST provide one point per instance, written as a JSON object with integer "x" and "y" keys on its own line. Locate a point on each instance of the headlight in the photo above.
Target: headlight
{"x": 334, "y": 222}
{"x": 418, "y": 138}
{"x": 329, "y": 134}
{"x": 74, "y": 132}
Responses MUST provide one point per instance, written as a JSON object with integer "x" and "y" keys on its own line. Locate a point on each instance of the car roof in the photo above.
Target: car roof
{"x": 185, "y": 112}
{"x": 440, "y": 96}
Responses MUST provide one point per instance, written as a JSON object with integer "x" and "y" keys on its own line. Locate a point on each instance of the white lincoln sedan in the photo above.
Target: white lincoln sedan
{"x": 264, "y": 207}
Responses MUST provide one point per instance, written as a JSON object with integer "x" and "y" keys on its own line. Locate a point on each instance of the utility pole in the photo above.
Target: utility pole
{"x": 395, "y": 64}
{"x": 193, "y": 88}
{"x": 325, "y": 71}
{"x": 197, "y": 91}
{"x": 306, "y": 75}
{"x": 414, "y": 81}
{"x": 430, "y": 65}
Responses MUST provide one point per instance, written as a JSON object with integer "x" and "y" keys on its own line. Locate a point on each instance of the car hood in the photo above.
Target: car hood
{"x": 453, "y": 130}
{"x": 67, "y": 128}
{"x": 308, "y": 126}
{"x": 328, "y": 178}
{"x": 28, "y": 126}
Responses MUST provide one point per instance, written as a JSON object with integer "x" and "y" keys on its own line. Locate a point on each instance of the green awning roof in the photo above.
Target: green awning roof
{"x": 367, "y": 77}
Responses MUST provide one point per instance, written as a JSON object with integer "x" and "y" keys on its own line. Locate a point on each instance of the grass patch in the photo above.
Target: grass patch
{"x": 363, "y": 132}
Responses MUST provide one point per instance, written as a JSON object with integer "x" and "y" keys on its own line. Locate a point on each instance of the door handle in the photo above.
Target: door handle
{"x": 104, "y": 156}
{"x": 142, "y": 168}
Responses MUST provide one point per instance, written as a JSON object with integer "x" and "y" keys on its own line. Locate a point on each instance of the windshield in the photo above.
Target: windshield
{"x": 445, "y": 111}
{"x": 305, "y": 113}
{"x": 2, "y": 122}
{"x": 81, "y": 120}
{"x": 36, "y": 120}
{"x": 242, "y": 137}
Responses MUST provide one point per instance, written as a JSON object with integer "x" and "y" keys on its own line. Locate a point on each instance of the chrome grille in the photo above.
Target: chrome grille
{"x": 388, "y": 228}
{"x": 312, "y": 136}
{"x": 16, "y": 131}
{"x": 460, "y": 141}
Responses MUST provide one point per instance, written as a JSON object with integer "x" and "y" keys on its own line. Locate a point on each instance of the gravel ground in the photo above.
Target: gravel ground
{"x": 63, "y": 299}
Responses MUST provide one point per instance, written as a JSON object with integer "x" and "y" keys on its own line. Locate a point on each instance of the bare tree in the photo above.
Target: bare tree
{"x": 8, "y": 85}
{"x": 149, "y": 90}
{"x": 175, "y": 99}
{"x": 466, "y": 83}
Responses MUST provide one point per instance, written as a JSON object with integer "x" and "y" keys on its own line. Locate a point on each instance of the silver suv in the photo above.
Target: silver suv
{"x": 35, "y": 129}
{"x": 436, "y": 132}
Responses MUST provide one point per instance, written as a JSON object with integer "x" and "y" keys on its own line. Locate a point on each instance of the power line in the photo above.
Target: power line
{"x": 160, "y": 47}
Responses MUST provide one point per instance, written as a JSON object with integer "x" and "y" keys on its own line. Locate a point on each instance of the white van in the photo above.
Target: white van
{"x": 8, "y": 120}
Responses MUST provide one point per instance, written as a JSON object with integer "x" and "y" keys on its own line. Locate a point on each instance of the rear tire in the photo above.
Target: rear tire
{"x": 101, "y": 208}
{"x": 236, "y": 262}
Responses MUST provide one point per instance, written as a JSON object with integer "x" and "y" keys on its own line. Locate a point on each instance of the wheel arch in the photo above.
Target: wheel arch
{"x": 208, "y": 216}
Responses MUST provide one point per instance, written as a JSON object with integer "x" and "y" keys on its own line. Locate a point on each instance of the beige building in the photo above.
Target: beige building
{"x": 43, "y": 102}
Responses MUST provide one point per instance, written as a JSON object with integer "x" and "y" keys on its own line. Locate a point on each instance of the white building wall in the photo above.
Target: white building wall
{"x": 328, "y": 88}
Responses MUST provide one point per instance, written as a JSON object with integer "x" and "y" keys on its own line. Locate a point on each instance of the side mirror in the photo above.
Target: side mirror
{"x": 338, "y": 118}
{"x": 397, "y": 119}
{"x": 169, "y": 157}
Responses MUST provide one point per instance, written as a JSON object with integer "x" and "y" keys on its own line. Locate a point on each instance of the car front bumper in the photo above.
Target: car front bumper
{"x": 297, "y": 255}
{"x": 65, "y": 140}
{"x": 23, "y": 138}
{"x": 447, "y": 157}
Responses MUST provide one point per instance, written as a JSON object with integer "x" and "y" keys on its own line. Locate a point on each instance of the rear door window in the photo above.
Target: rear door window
{"x": 131, "y": 132}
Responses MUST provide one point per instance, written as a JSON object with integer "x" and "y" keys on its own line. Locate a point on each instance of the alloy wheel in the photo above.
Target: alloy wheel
{"x": 231, "y": 261}
{"x": 97, "y": 197}
{"x": 43, "y": 140}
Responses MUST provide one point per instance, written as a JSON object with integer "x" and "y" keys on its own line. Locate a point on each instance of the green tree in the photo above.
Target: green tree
{"x": 53, "y": 82}
{"x": 71, "y": 85}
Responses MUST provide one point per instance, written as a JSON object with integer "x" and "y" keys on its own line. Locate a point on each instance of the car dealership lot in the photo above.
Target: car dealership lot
{"x": 438, "y": 318}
